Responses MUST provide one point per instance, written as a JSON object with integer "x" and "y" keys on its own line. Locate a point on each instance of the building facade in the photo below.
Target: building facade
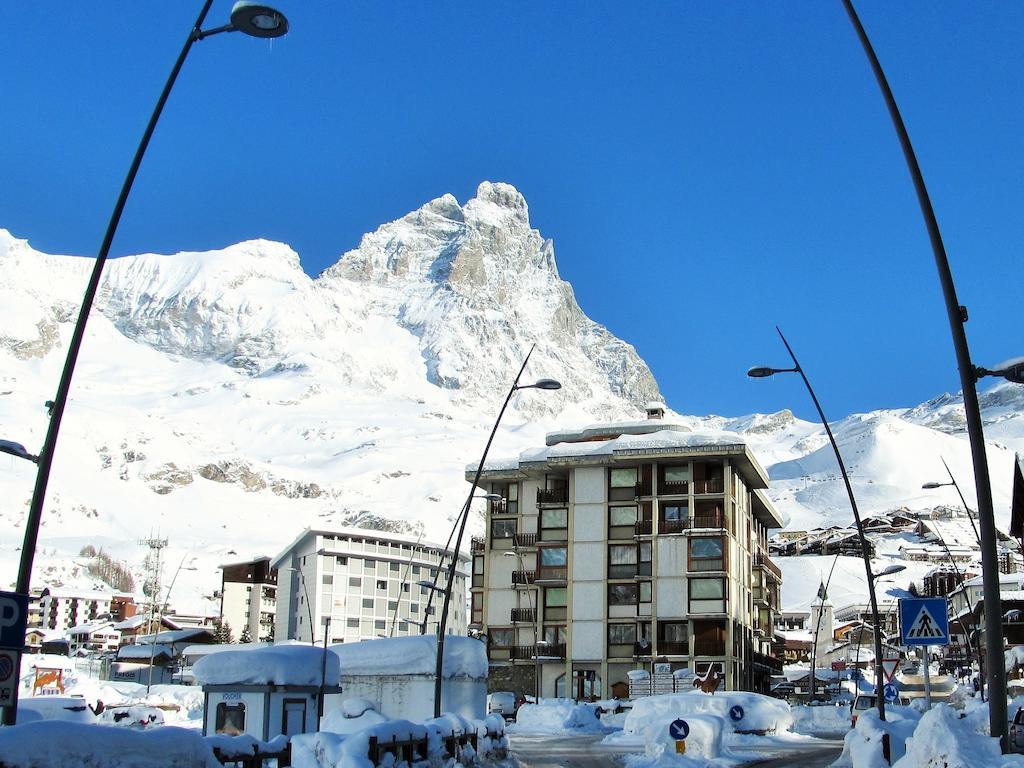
{"x": 248, "y": 598}
{"x": 622, "y": 547}
{"x": 62, "y": 609}
{"x": 365, "y": 582}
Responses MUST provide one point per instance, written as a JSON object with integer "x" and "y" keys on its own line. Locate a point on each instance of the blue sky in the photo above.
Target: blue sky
{"x": 707, "y": 170}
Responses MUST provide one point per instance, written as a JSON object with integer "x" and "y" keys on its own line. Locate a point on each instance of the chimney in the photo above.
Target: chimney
{"x": 655, "y": 410}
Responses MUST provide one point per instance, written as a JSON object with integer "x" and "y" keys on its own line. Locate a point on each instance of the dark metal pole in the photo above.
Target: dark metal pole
{"x": 323, "y": 670}
{"x": 439, "y": 668}
{"x": 970, "y": 514}
{"x": 32, "y": 523}
{"x": 957, "y": 316}
{"x": 865, "y": 552}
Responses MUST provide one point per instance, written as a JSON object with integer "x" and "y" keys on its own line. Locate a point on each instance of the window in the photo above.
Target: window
{"x": 368, "y": 602}
{"x": 380, "y": 624}
{"x": 509, "y": 493}
{"x": 352, "y": 623}
{"x": 676, "y": 474}
{"x": 674, "y": 517}
{"x": 646, "y": 554}
{"x": 645, "y": 591}
{"x": 554, "y": 524}
{"x": 623, "y": 594}
{"x": 503, "y": 528}
{"x": 392, "y": 606}
{"x": 622, "y": 483}
{"x": 554, "y": 603}
{"x": 622, "y": 560}
{"x": 622, "y": 516}
{"x": 621, "y": 634}
{"x": 707, "y": 554}
{"x": 341, "y": 560}
{"x": 477, "y": 608}
{"x": 393, "y": 567}
{"x": 554, "y": 635}
{"x": 707, "y": 595}
{"x": 382, "y": 584}
{"x": 405, "y": 586}
{"x": 502, "y": 638}
{"x": 230, "y": 719}
{"x": 673, "y": 637}
{"x": 355, "y": 581}
{"x": 553, "y": 562}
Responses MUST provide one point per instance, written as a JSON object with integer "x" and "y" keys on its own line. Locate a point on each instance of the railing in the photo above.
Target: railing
{"x": 673, "y": 487}
{"x": 552, "y": 495}
{"x": 498, "y": 506}
{"x": 523, "y": 578}
{"x": 714, "y": 485}
{"x": 254, "y": 760}
{"x": 539, "y": 652}
{"x": 415, "y": 750}
{"x": 553, "y": 573}
{"x": 764, "y": 561}
{"x": 527, "y": 615}
{"x": 521, "y": 540}
{"x": 708, "y": 520}
{"x": 643, "y": 528}
{"x": 769, "y": 662}
{"x": 673, "y": 648}
{"x": 476, "y": 545}
{"x": 705, "y": 647}
{"x": 642, "y": 489}
{"x": 673, "y": 526}
{"x": 643, "y": 649}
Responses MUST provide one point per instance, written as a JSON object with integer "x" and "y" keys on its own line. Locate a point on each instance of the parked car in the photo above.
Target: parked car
{"x": 68, "y": 708}
{"x": 1016, "y": 740}
{"x": 866, "y": 701}
{"x": 505, "y": 703}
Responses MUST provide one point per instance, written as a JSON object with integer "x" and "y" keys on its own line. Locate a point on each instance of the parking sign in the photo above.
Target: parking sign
{"x": 13, "y": 620}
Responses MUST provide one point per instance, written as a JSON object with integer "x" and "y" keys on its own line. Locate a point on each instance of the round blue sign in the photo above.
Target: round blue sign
{"x": 678, "y": 729}
{"x": 890, "y": 692}
{"x": 736, "y": 713}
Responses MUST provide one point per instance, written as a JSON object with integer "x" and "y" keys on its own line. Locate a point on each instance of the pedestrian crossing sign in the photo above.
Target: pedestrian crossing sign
{"x": 924, "y": 621}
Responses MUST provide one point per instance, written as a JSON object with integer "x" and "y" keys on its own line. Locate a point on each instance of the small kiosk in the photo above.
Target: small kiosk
{"x": 266, "y": 692}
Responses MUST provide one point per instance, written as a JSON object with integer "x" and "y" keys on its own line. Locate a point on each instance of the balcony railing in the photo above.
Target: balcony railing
{"x": 765, "y": 562}
{"x": 673, "y": 648}
{"x": 673, "y": 526}
{"x": 714, "y": 485}
{"x": 540, "y": 652}
{"x": 708, "y": 647}
{"x": 524, "y": 540}
{"x": 476, "y": 545}
{"x": 708, "y": 520}
{"x": 552, "y": 495}
{"x": 523, "y": 578}
{"x": 523, "y": 615}
{"x": 642, "y": 489}
{"x": 643, "y": 528}
{"x": 553, "y": 573}
{"x": 643, "y": 649}
{"x": 768, "y": 662}
{"x": 673, "y": 487}
{"x": 498, "y": 506}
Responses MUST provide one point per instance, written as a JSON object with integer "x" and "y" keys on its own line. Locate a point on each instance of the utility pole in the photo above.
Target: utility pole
{"x": 156, "y": 546}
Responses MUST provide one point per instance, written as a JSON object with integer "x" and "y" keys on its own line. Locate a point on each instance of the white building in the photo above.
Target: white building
{"x": 365, "y": 581}
{"x": 94, "y": 637}
{"x": 248, "y": 598}
{"x": 62, "y": 609}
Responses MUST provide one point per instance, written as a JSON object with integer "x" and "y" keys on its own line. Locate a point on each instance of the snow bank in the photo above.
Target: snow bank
{"x": 703, "y": 741}
{"x": 942, "y": 738}
{"x": 54, "y": 744}
{"x": 353, "y": 715}
{"x": 556, "y": 716}
{"x": 759, "y": 713}
{"x": 245, "y": 745}
{"x": 814, "y": 721}
{"x": 277, "y": 665}
{"x": 417, "y": 655}
{"x": 862, "y": 747}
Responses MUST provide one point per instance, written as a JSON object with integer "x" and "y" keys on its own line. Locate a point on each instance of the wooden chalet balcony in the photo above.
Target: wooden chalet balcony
{"x": 552, "y": 496}
{"x": 540, "y": 652}
{"x": 714, "y": 485}
{"x": 523, "y": 578}
{"x": 524, "y": 540}
{"x": 765, "y": 562}
{"x": 523, "y": 615}
{"x": 476, "y": 545}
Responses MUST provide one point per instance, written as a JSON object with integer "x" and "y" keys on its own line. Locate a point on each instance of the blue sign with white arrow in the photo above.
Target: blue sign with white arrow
{"x": 890, "y": 692}
{"x": 736, "y": 713}
{"x": 679, "y": 729}
{"x": 924, "y": 621}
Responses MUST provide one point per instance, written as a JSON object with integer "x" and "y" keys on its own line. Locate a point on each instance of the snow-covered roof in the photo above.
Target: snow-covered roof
{"x": 276, "y": 665}
{"x": 144, "y": 651}
{"x": 416, "y": 655}
{"x": 369, "y": 534}
{"x": 132, "y": 622}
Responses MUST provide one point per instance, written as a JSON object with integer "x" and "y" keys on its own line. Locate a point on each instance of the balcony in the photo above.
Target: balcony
{"x": 708, "y": 646}
{"x": 643, "y": 528}
{"x": 712, "y": 485}
{"x": 673, "y": 488}
{"x": 642, "y": 489}
{"x": 552, "y": 574}
{"x": 765, "y": 562}
{"x": 523, "y": 616}
{"x": 767, "y": 663}
{"x": 673, "y": 648}
{"x": 524, "y": 540}
{"x": 476, "y": 545}
{"x": 644, "y": 649}
{"x": 713, "y": 520}
{"x": 498, "y": 507}
{"x": 540, "y": 652}
{"x": 523, "y": 578}
{"x": 552, "y": 496}
{"x": 673, "y": 526}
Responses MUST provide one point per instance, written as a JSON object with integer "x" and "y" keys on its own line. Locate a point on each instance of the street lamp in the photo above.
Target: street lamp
{"x": 250, "y": 18}
{"x": 533, "y": 623}
{"x": 956, "y": 315}
{"x": 545, "y": 384}
{"x": 17, "y": 449}
{"x": 763, "y": 372}
{"x": 952, "y": 482}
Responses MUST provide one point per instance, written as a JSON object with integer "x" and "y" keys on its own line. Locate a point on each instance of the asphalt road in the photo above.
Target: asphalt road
{"x": 586, "y": 751}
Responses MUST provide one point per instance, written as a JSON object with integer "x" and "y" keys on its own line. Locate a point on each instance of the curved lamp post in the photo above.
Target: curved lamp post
{"x": 763, "y": 372}
{"x": 252, "y": 19}
{"x": 969, "y": 375}
{"x": 547, "y": 384}
{"x": 952, "y": 482}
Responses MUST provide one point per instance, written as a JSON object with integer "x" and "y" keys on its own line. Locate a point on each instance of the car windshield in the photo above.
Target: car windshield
{"x": 864, "y": 702}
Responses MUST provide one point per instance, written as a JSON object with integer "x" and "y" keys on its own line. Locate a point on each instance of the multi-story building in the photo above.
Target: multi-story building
{"x": 366, "y": 582}
{"x": 248, "y": 598}
{"x": 621, "y": 547}
{"x": 62, "y": 609}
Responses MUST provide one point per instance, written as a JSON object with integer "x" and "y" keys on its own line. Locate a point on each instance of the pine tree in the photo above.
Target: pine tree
{"x": 222, "y": 632}
{"x": 246, "y": 636}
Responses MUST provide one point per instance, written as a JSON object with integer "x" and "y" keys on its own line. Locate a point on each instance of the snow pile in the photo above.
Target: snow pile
{"x": 245, "y": 745}
{"x": 67, "y": 708}
{"x": 416, "y": 655}
{"x": 943, "y": 739}
{"x": 353, "y": 715}
{"x": 744, "y": 711}
{"x": 1014, "y": 657}
{"x": 815, "y": 721}
{"x": 53, "y": 744}
{"x": 556, "y": 716}
{"x": 704, "y": 741}
{"x": 862, "y": 747}
{"x": 277, "y": 665}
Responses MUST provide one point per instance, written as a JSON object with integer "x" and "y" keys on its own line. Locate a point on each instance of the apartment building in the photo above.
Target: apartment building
{"x": 621, "y": 547}
{"x": 61, "y": 609}
{"x": 248, "y": 598}
{"x": 365, "y": 581}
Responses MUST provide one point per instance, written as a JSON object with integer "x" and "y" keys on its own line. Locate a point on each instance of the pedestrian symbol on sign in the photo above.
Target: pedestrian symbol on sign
{"x": 925, "y": 626}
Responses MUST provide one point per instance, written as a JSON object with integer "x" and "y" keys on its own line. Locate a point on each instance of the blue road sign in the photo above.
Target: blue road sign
{"x": 890, "y": 692}
{"x": 13, "y": 620}
{"x": 679, "y": 729}
{"x": 736, "y": 713}
{"x": 924, "y": 621}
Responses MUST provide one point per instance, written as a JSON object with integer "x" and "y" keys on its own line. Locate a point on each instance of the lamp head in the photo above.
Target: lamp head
{"x": 1014, "y": 373}
{"x": 258, "y": 20}
{"x": 933, "y": 486}
{"x": 890, "y": 569}
{"x": 761, "y": 372}
{"x": 550, "y": 384}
